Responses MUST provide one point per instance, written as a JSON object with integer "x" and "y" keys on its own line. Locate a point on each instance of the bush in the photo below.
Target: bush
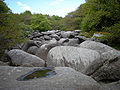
{"x": 10, "y": 32}
{"x": 26, "y": 29}
{"x": 95, "y": 21}
{"x": 40, "y": 22}
{"x": 115, "y": 33}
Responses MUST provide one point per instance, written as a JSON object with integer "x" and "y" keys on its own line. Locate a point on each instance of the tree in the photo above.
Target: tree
{"x": 101, "y": 14}
{"x": 40, "y": 22}
{"x": 3, "y": 8}
{"x": 73, "y": 20}
{"x": 26, "y": 17}
{"x": 56, "y": 22}
{"x": 25, "y": 22}
{"x": 10, "y": 33}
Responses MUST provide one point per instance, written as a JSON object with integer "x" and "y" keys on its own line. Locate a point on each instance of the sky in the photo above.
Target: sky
{"x": 50, "y": 7}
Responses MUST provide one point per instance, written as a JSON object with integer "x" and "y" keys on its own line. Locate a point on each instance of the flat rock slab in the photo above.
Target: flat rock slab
{"x": 65, "y": 79}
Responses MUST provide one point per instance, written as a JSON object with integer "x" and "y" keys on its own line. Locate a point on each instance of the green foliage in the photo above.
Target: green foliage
{"x": 105, "y": 38}
{"x": 10, "y": 32}
{"x": 94, "y": 16}
{"x": 4, "y": 8}
{"x": 26, "y": 29}
{"x": 56, "y": 22}
{"x": 103, "y": 16}
{"x": 73, "y": 20}
{"x": 95, "y": 21}
{"x": 40, "y": 22}
{"x": 115, "y": 33}
{"x": 26, "y": 17}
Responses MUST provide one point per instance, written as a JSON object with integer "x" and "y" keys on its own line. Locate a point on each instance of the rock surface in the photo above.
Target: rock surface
{"x": 28, "y": 44}
{"x": 4, "y": 63}
{"x": 68, "y": 56}
{"x": 67, "y": 34}
{"x": 65, "y": 38}
{"x": 45, "y": 48}
{"x": 32, "y": 50}
{"x": 55, "y": 36}
{"x": 72, "y": 42}
{"x": 65, "y": 79}
{"x": 107, "y": 69}
{"x": 112, "y": 86}
{"x": 19, "y": 57}
{"x": 61, "y": 49}
{"x": 100, "y": 47}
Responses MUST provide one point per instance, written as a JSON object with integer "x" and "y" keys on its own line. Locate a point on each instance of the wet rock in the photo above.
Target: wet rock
{"x": 19, "y": 57}
{"x": 38, "y": 73}
{"x": 69, "y": 56}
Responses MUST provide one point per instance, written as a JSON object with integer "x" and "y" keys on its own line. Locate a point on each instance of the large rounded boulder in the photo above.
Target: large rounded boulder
{"x": 44, "y": 49}
{"x": 67, "y": 34}
{"x": 28, "y": 44}
{"x": 69, "y": 56}
{"x": 19, "y": 57}
{"x": 107, "y": 69}
{"x": 100, "y": 47}
{"x": 32, "y": 50}
{"x": 73, "y": 42}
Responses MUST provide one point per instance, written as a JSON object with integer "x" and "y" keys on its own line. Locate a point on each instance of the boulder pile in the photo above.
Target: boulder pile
{"x": 79, "y": 63}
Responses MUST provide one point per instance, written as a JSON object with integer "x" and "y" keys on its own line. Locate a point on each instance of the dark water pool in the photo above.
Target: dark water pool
{"x": 38, "y": 73}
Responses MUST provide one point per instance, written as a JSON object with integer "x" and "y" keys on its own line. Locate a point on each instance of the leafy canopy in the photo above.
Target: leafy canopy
{"x": 40, "y": 22}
